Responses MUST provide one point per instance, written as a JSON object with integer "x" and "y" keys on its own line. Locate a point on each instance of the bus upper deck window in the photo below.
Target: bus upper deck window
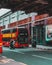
{"x": 6, "y": 31}
{"x": 14, "y": 30}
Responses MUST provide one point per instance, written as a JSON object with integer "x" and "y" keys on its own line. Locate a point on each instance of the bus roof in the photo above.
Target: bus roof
{"x": 12, "y": 28}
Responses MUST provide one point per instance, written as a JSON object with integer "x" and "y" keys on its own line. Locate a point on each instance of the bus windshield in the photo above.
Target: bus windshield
{"x": 23, "y": 32}
{"x": 23, "y": 36}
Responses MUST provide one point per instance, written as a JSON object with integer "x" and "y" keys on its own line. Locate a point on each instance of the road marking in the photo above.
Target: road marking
{"x": 17, "y": 51}
{"x": 22, "y": 63}
{"x": 21, "y": 52}
{"x": 14, "y": 50}
{"x": 5, "y": 60}
{"x": 42, "y": 57}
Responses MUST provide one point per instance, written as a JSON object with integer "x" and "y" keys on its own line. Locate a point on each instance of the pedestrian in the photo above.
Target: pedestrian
{"x": 12, "y": 42}
{"x": 34, "y": 43}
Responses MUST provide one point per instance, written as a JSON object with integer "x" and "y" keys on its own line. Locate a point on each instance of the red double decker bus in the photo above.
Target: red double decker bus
{"x": 19, "y": 35}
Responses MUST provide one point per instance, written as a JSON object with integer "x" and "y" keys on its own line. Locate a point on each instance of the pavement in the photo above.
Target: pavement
{"x": 30, "y": 48}
{"x": 44, "y": 47}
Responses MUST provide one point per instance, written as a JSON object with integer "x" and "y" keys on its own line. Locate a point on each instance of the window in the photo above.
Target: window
{"x": 6, "y": 31}
{"x": 6, "y": 20}
{"x": 23, "y": 16}
{"x": 1, "y": 22}
{"x": 14, "y": 30}
{"x": 13, "y": 17}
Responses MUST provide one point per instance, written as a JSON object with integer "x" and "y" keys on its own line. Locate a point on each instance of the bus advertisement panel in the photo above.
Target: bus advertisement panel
{"x": 48, "y": 33}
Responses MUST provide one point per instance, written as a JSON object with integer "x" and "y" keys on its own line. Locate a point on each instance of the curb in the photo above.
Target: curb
{"x": 43, "y": 47}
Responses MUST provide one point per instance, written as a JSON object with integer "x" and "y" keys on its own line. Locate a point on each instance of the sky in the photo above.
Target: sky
{"x": 3, "y": 11}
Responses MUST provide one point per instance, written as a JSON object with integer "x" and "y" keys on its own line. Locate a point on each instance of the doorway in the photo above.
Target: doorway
{"x": 39, "y": 34}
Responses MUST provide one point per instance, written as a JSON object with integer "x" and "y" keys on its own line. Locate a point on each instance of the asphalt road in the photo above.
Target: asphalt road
{"x": 29, "y": 56}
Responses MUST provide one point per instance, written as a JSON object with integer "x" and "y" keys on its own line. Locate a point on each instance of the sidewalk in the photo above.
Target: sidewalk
{"x": 43, "y": 47}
